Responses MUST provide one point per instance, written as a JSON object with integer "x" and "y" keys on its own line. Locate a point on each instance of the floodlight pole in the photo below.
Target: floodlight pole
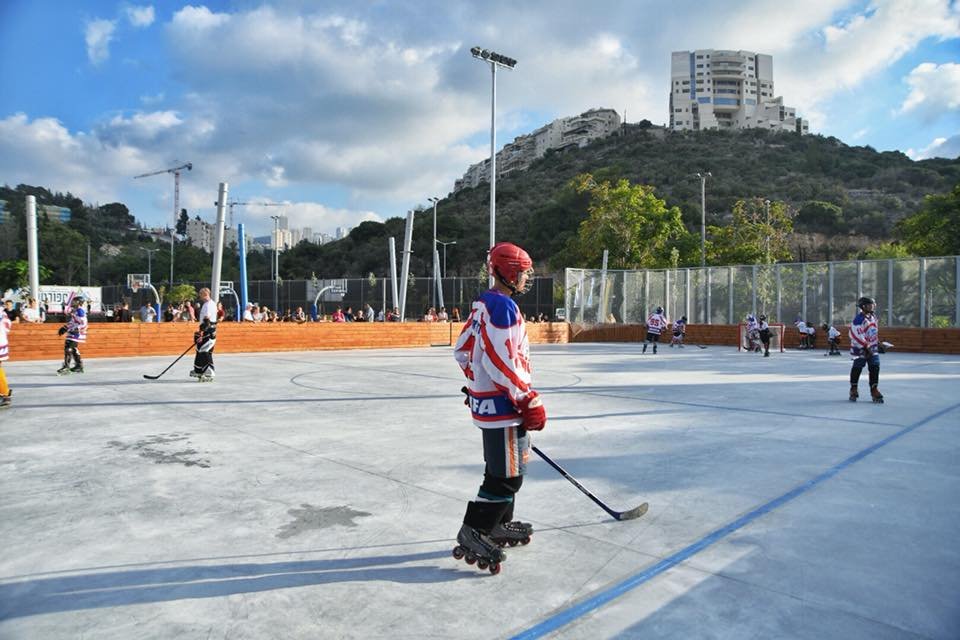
{"x": 276, "y": 261}
{"x": 494, "y": 60}
{"x": 150, "y": 253}
{"x": 433, "y": 248}
{"x": 445, "y": 254}
{"x": 703, "y": 217}
{"x": 767, "y": 248}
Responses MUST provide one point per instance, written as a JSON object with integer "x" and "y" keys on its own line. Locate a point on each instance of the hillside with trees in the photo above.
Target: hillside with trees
{"x": 635, "y": 194}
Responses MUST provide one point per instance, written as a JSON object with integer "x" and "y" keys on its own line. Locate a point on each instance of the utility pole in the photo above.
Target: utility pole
{"x": 703, "y": 217}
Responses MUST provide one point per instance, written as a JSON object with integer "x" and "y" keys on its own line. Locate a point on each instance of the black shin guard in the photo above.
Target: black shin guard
{"x": 855, "y": 374}
{"x": 874, "y": 373}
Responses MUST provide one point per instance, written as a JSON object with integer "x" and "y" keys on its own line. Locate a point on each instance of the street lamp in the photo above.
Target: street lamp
{"x": 703, "y": 217}
{"x": 445, "y": 254}
{"x": 494, "y": 60}
{"x": 433, "y": 250}
{"x": 276, "y": 262}
{"x": 766, "y": 204}
{"x": 150, "y": 253}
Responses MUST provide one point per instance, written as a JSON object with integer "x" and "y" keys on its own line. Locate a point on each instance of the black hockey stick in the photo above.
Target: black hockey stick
{"x": 171, "y": 364}
{"x": 636, "y": 512}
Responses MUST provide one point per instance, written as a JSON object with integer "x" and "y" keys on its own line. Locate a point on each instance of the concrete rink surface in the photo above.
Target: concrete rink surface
{"x": 318, "y": 495}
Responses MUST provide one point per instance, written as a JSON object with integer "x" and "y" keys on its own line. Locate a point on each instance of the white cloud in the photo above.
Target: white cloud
{"x": 939, "y": 148}
{"x": 198, "y": 18}
{"x": 140, "y": 16}
{"x": 866, "y": 44}
{"x": 934, "y": 89}
{"x": 97, "y": 35}
{"x": 859, "y": 133}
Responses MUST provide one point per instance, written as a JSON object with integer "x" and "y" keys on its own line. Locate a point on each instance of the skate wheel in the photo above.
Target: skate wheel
{"x": 525, "y": 540}
{"x": 470, "y": 558}
{"x": 458, "y": 552}
{"x": 494, "y": 568}
{"x": 513, "y": 543}
{"x": 482, "y": 564}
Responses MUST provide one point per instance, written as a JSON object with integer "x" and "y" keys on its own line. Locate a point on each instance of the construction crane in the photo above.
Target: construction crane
{"x": 176, "y": 186}
{"x": 176, "y": 202}
{"x": 233, "y": 203}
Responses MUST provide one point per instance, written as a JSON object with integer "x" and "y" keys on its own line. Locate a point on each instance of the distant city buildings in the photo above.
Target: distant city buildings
{"x": 719, "y": 89}
{"x": 575, "y": 131}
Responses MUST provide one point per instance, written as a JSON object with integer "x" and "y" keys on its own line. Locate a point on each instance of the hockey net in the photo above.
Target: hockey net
{"x": 776, "y": 337}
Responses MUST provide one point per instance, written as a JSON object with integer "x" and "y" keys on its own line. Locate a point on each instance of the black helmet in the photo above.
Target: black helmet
{"x": 762, "y": 316}
{"x": 659, "y": 309}
{"x": 864, "y": 301}
{"x": 683, "y": 318}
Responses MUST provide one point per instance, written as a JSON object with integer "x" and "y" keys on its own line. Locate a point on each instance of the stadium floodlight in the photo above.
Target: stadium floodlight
{"x": 495, "y": 60}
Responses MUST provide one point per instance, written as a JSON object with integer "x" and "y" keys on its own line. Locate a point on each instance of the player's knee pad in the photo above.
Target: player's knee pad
{"x": 505, "y": 488}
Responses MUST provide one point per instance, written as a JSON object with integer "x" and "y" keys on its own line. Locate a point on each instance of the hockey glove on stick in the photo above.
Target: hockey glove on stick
{"x": 61, "y": 331}
{"x": 532, "y": 411}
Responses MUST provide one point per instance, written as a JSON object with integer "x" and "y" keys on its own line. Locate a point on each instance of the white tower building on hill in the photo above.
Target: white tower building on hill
{"x": 720, "y": 89}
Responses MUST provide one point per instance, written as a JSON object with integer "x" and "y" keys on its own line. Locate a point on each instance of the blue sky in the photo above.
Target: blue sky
{"x": 350, "y": 111}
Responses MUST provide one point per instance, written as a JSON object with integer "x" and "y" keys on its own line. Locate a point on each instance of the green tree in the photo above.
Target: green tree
{"x": 182, "y": 222}
{"x": 935, "y": 229}
{"x": 754, "y": 236}
{"x": 64, "y": 250}
{"x": 181, "y": 293}
{"x": 636, "y": 227}
{"x": 15, "y": 274}
{"x": 885, "y": 250}
{"x": 822, "y": 216}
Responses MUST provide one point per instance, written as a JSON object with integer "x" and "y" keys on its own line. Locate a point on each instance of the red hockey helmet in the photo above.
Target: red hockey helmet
{"x": 506, "y": 261}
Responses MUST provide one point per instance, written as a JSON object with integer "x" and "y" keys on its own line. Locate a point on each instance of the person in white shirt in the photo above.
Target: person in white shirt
{"x": 205, "y": 338}
{"x": 31, "y": 313}
{"x": 833, "y": 337}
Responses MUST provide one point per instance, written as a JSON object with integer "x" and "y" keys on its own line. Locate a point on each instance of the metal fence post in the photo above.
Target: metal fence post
{"x": 730, "y": 295}
{"x": 666, "y": 292}
{"x": 709, "y": 318}
{"x": 779, "y": 294}
{"x": 830, "y": 294}
{"x": 859, "y": 279}
{"x": 923, "y": 292}
{"x": 889, "y": 293}
{"x": 753, "y": 286}
{"x": 803, "y": 303}
{"x": 686, "y": 293}
{"x": 956, "y": 292}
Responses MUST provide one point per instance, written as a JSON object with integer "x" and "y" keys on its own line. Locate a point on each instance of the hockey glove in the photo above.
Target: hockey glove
{"x": 881, "y": 348}
{"x": 61, "y": 331}
{"x": 466, "y": 396}
{"x": 197, "y": 337}
{"x": 532, "y": 411}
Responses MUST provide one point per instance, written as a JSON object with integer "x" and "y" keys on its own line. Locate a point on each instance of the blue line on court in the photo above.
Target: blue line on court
{"x": 567, "y": 616}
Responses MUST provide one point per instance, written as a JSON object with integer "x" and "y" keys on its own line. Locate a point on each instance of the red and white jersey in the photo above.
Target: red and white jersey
{"x": 5, "y": 326}
{"x": 494, "y": 354}
{"x": 752, "y": 324}
{"x": 77, "y": 325}
{"x": 656, "y": 322}
{"x": 864, "y": 335}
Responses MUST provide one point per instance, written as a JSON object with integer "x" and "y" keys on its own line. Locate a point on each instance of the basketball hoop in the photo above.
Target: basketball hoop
{"x": 136, "y": 281}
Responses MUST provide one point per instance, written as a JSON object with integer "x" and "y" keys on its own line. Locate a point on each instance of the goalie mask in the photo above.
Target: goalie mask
{"x": 507, "y": 263}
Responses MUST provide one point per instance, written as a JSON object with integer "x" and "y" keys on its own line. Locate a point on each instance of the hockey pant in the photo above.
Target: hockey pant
{"x": 872, "y": 363}
{"x": 834, "y": 346}
{"x": 203, "y": 361}
{"x": 505, "y": 452}
{"x": 4, "y": 387}
{"x": 71, "y": 350}
{"x": 765, "y": 338}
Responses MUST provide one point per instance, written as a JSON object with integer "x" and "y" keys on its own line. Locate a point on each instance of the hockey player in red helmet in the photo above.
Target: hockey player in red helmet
{"x": 494, "y": 354}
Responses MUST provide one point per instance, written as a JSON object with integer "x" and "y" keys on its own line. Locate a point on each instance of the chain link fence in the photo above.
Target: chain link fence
{"x": 914, "y": 292}
{"x": 357, "y": 292}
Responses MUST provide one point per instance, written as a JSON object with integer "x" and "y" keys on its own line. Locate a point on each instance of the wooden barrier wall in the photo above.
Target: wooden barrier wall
{"x": 108, "y": 340}
{"x": 41, "y": 342}
{"x": 905, "y": 339}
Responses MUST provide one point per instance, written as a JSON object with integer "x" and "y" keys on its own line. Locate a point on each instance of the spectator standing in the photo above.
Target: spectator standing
{"x": 30, "y": 313}
{"x": 299, "y": 316}
{"x": 147, "y": 313}
{"x": 247, "y": 313}
{"x": 12, "y": 314}
{"x": 348, "y": 314}
{"x": 442, "y": 315}
{"x": 368, "y": 314}
{"x": 455, "y": 315}
{"x": 123, "y": 313}
{"x": 338, "y": 316}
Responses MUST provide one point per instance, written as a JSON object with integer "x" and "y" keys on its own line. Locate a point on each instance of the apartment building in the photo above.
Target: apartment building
{"x": 720, "y": 89}
{"x": 575, "y": 131}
